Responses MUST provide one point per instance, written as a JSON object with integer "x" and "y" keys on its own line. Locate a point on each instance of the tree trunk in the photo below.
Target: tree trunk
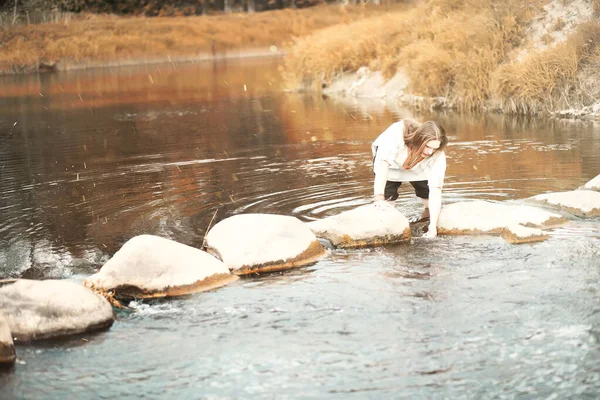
{"x": 226, "y": 6}
{"x": 251, "y": 6}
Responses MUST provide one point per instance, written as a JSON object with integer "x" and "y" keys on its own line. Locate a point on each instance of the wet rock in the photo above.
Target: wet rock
{"x": 515, "y": 223}
{"x": 7, "y": 347}
{"x": 364, "y": 226}
{"x": 367, "y": 84}
{"x": 150, "y": 266}
{"x": 583, "y": 203}
{"x": 249, "y": 243}
{"x": 521, "y": 234}
{"x": 594, "y": 184}
{"x": 45, "y": 309}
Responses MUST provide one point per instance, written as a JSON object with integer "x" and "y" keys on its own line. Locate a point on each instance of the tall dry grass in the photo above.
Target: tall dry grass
{"x": 104, "y": 38}
{"x": 551, "y": 79}
{"x": 459, "y": 49}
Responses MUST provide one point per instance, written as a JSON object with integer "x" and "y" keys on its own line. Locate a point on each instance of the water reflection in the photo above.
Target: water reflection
{"x": 89, "y": 159}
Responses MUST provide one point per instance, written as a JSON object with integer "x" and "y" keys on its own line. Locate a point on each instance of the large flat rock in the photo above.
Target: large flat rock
{"x": 150, "y": 266}
{"x": 7, "y": 347}
{"x": 583, "y": 203}
{"x": 363, "y": 227}
{"x": 594, "y": 184}
{"x": 250, "y": 243}
{"x": 515, "y": 223}
{"x": 45, "y": 309}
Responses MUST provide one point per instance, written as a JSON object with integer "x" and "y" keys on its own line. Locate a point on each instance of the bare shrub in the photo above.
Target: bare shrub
{"x": 547, "y": 39}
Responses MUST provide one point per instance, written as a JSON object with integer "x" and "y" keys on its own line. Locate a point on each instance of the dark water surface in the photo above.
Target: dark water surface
{"x": 89, "y": 159}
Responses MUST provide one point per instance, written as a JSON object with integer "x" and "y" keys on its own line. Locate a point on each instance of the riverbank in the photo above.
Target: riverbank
{"x": 523, "y": 58}
{"x": 96, "y": 40}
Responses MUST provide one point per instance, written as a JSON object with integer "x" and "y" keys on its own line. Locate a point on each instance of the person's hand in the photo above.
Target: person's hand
{"x": 431, "y": 232}
{"x": 381, "y": 204}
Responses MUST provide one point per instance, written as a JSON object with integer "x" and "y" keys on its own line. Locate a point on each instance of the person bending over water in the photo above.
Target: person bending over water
{"x": 408, "y": 151}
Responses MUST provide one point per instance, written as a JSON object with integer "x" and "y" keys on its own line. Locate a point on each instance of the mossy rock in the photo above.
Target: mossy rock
{"x": 46, "y": 309}
{"x": 594, "y": 184}
{"x": 365, "y": 226}
{"x": 515, "y": 223}
{"x": 254, "y": 243}
{"x": 150, "y": 266}
{"x": 7, "y": 346}
{"x": 582, "y": 203}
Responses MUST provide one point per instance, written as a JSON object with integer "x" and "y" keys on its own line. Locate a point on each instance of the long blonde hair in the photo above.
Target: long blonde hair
{"x": 416, "y": 137}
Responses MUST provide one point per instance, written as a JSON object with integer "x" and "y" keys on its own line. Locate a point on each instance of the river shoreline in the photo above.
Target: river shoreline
{"x": 65, "y": 65}
{"x": 369, "y": 86}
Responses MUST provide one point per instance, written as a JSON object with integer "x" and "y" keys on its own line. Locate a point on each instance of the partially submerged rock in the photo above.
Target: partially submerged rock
{"x": 150, "y": 266}
{"x": 364, "y": 226}
{"x": 583, "y": 203}
{"x": 249, "y": 243}
{"x": 521, "y": 234}
{"x": 516, "y": 223}
{"x": 7, "y": 347}
{"x": 45, "y": 309}
{"x": 594, "y": 184}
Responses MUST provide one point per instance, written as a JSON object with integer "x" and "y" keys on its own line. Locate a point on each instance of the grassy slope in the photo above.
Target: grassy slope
{"x": 107, "y": 38}
{"x": 459, "y": 49}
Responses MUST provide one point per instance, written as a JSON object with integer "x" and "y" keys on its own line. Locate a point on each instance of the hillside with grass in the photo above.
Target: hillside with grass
{"x": 523, "y": 57}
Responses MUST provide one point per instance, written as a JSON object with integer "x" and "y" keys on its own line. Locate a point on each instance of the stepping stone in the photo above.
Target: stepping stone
{"x": 150, "y": 266}
{"x": 251, "y": 243}
{"x": 7, "y": 347}
{"x": 515, "y": 223}
{"x": 583, "y": 203}
{"x": 365, "y": 226}
{"x": 46, "y": 309}
{"x": 594, "y": 184}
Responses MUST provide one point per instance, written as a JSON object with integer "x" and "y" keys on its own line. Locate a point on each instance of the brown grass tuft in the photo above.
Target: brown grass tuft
{"x": 559, "y": 24}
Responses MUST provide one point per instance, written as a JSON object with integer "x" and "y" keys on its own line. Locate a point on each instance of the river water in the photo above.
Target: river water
{"x": 89, "y": 159}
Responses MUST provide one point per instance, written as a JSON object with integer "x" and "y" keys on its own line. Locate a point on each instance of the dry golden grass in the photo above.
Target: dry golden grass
{"x": 113, "y": 38}
{"x": 549, "y": 80}
{"x": 596, "y": 8}
{"x": 339, "y": 48}
{"x": 446, "y": 47}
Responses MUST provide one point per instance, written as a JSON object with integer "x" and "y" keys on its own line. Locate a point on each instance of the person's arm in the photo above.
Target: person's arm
{"x": 435, "y": 207}
{"x": 384, "y": 150}
{"x": 381, "y": 168}
{"x": 436, "y": 182}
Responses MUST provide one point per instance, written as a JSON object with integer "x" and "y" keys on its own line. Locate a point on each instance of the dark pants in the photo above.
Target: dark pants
{"x": 391, "y": 189}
